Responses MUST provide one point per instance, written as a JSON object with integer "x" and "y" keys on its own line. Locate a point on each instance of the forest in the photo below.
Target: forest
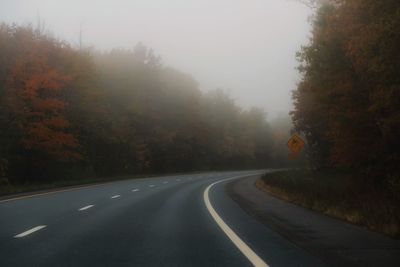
{"x": 347, "y": 103}
{"x": 71, "y": 112}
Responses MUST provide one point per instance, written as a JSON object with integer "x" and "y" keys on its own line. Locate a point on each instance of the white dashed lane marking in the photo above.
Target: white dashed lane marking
{"x": 86, "y": 207}
{"x": 115, "y": 196}
{"x": 30, "y": 231}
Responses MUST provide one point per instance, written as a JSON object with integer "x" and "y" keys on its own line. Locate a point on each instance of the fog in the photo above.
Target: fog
{"x": 246, "y": 47}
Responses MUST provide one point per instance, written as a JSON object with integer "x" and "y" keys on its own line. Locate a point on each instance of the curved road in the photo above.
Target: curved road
{"x": 185, "y": 220}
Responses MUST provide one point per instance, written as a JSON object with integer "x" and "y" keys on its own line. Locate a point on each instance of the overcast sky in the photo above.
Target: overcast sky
{"x": 245, "y": 46}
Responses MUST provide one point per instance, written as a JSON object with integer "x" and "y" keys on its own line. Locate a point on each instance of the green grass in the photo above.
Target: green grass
{"x": 338, "y": 195}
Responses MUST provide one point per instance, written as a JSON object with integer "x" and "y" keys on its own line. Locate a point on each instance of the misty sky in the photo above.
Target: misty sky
{"x": 246, "y": 46}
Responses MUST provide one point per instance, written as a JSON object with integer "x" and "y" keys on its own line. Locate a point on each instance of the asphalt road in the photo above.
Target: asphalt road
{"x": 185, "y": 220}
{"x": 334, "y": 241}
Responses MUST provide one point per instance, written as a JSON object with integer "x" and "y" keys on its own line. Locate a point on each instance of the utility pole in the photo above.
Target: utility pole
{"x": 40, "y": 26}
{"x": 80, "y": 35}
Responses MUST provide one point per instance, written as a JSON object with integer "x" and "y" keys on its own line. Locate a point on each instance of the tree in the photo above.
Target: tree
{"x": 347, "y": 103}
{"x": 34, "y": 96}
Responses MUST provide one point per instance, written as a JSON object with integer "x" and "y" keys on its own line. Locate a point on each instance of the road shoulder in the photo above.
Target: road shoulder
{"x": 335, "y": 242}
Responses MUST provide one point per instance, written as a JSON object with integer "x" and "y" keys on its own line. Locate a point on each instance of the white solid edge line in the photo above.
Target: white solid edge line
{"x": 239, "y": 243}
{"x": 30, "y": 231}
{"x": 86, "y": 207}
{"x": 115, "y": 196}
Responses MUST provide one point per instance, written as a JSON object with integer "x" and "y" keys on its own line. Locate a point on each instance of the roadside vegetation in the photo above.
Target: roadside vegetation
{"x": 337, "y": 194}
{"x": 347, "y": 106}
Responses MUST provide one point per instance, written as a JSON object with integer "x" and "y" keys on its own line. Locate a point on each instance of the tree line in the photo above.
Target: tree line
{"x": 348, "y": 102}
{"x": 69, "y": 113}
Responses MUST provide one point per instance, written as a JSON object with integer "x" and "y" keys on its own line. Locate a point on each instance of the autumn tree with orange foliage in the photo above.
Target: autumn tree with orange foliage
{"x": 34, "y": 98}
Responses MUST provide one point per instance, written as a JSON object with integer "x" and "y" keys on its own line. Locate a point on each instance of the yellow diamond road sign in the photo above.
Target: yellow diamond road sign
{"x": 295, "y": 144}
